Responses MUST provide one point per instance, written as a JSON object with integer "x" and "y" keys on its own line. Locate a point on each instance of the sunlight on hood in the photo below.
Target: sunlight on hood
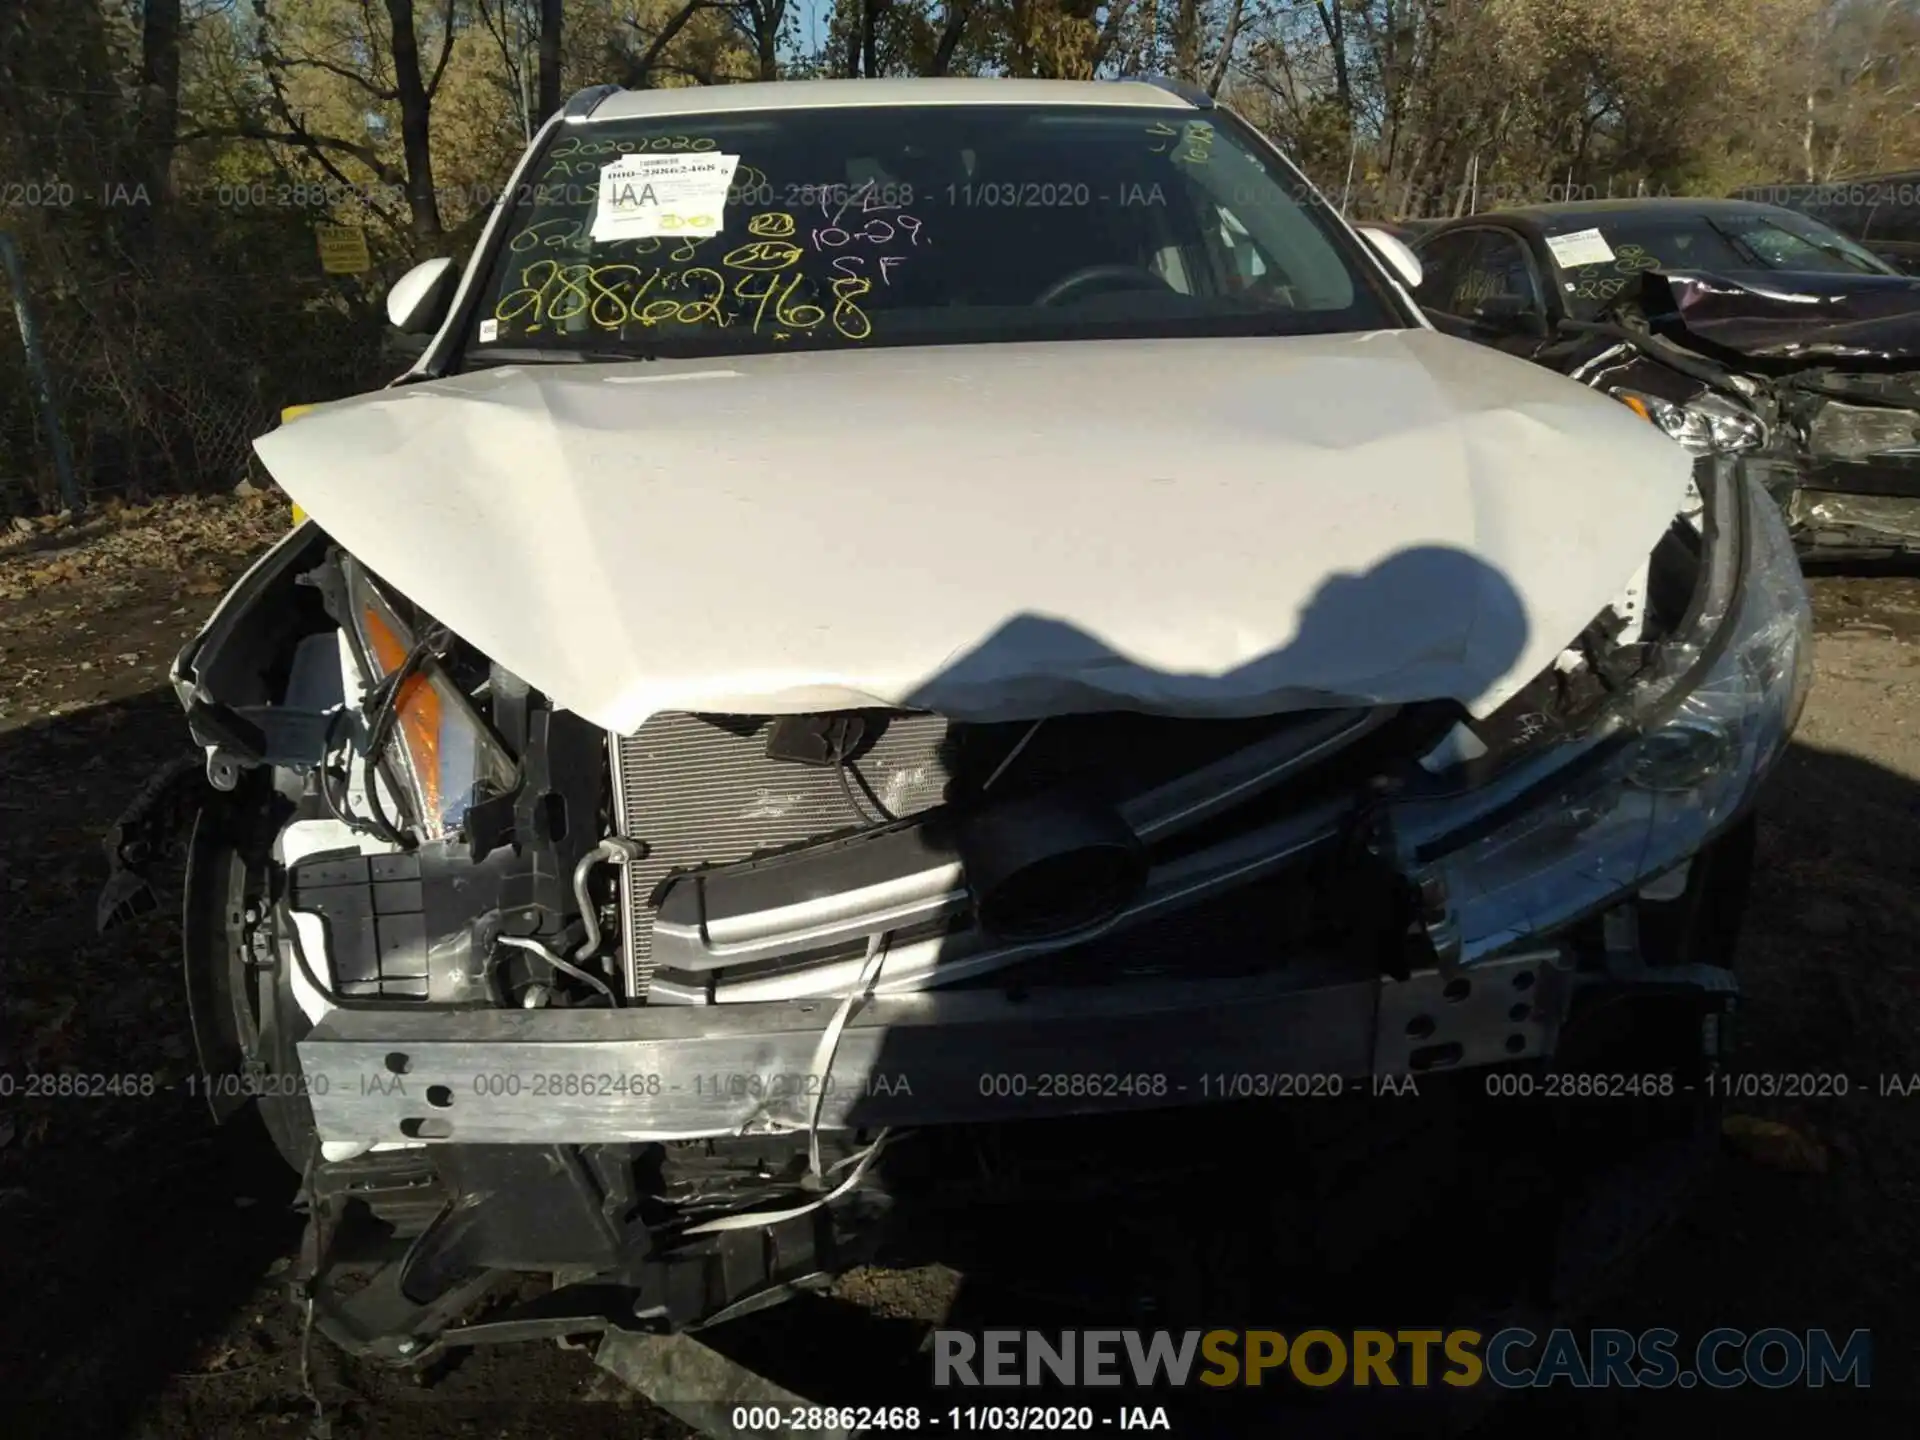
{"x": 1197, "y": 528}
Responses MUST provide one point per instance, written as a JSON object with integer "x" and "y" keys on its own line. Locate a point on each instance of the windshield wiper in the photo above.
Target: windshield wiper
{"x": 1739, "y": 245}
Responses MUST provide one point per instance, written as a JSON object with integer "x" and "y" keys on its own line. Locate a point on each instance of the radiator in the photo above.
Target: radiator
{"x": 702, "y": 791}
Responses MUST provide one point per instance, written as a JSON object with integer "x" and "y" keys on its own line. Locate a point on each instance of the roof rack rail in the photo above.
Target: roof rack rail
{"x": 1185, "y": 89}
{"x": 583, "y": 103}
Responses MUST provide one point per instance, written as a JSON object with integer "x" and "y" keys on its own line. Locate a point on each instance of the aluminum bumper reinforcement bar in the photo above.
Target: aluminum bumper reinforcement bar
{"x": 674, "y": 1072}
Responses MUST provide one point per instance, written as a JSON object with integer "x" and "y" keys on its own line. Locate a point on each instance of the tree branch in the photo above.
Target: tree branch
{"x": 641, "y": 67}
{"x": 1117, "y": 12}
{"x": 1228, "y": 41}
{"x": 314, "y": 62}
{"x": 446, "y": 49}
{"x": 300, "y": 137}
{"x": 958, "y": 12}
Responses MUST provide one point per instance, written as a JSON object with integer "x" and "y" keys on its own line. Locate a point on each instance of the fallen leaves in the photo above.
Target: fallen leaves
{"x": 1774, "y": 1144}
{"x": 197, "y": 535}
{"x": 30, "y": 1130}
{"x": 48, "y": 1036}
{"x": 145, "y": 578}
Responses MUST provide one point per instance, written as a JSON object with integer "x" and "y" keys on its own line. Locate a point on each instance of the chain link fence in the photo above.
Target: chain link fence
{"x": 162, "y": 373}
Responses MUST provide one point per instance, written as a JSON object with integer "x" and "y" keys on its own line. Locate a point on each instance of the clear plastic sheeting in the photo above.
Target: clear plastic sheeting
{"x": 1659, "y": 799}
{"x": 1877, "y": 520}
{"x": 1860, "y": 432}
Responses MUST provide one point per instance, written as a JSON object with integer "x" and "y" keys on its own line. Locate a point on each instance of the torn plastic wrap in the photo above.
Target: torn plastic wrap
{"x": 1661, "y": 796}
{"x": 1856, "y": 320}
{"x": 1839, "y": 431}
{"x": 1831, "y": 520}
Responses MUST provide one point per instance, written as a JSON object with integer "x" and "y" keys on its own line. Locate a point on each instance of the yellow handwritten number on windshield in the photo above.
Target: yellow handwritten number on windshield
{"x": 610, "y": 297}
{"x": 762, "y": 255}
{"x": 848, "y": 318}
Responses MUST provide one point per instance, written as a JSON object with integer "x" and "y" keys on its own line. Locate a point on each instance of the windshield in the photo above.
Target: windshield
{"x": 1733, "y": 243}
{"x": 765, "y": 230}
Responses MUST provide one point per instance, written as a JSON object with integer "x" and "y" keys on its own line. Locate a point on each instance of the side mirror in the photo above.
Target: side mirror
{"x": 1397, "y": 253}
{"x": 418, "y": 301}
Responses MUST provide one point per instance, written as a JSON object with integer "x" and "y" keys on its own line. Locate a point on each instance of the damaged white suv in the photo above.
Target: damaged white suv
{"x": 931, "y": 604}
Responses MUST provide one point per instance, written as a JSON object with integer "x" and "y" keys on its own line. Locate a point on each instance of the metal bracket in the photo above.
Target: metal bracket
{"x": 1486, "y": 1014}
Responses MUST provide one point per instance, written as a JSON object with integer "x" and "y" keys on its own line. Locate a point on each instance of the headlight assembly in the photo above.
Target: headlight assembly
{"x": 1708, "y": 424}
{"x": 1679, "y": 756}
{"x": 440, "y": 756}
{"x": 1643, "y": 794}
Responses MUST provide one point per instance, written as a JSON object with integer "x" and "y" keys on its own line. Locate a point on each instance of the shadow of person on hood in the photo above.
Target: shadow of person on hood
{"x": 1426, "y": 622}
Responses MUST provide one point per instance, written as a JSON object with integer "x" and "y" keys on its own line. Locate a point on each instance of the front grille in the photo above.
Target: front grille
{"x": 702, "y": 791}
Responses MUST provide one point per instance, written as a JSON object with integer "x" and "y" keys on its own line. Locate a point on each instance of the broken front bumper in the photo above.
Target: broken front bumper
{"x": 1510, "y": 871}
{"x": 604, "y": 1076}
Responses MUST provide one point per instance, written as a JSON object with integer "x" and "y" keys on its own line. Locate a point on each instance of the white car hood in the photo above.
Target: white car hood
{"x": 1189, "y": 527}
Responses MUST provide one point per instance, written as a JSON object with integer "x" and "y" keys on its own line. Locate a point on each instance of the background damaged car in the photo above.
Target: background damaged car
{"x": 819, "y": 664}
{"x": 1738, "y": 328}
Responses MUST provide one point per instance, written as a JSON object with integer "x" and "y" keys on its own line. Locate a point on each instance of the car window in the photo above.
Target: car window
{"x": 1441, "y": 260}
{"x": 1797, "y": 245}
{"x": 1249, "y": 263}
{"x": 1463, "y": 269}
{"x": 1496, "y": 270}
{"x": 1896, "y": 213}
{"x": 921, "y": 224}
{"x": 1728, "y": 243}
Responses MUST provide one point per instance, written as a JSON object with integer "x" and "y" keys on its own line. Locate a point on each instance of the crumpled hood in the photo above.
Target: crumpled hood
{"x": 1788, "y": 321}
{"x": 1190, "y": 527}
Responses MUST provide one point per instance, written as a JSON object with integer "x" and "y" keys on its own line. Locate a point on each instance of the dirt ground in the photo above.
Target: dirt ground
{"x": 145, "y": 1250}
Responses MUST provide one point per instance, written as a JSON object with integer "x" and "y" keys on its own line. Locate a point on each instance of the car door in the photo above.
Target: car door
{"x": 1892, "y": 227}
{"x": 1441, "y": 259}
{"x": 1493, "y": 288}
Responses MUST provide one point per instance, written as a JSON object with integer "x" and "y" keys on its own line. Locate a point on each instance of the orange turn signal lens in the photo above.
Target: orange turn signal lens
{"x": 1637, "y": 406}
{"x": 441, "y": 757}
{"x": 417, "y": 708}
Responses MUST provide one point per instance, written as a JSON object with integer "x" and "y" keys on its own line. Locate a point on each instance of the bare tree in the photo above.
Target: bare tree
{"x": 760, "y": 23}
{"x": 952, "y": 28}
{"x": 1223, "y": 54}
{"x": 159, "y": 92}
{"x": 645, "y": 53}
{"x": 509, "y": 24}
{"x": 552, "y": 20}
{"x": 404, "y": 84}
